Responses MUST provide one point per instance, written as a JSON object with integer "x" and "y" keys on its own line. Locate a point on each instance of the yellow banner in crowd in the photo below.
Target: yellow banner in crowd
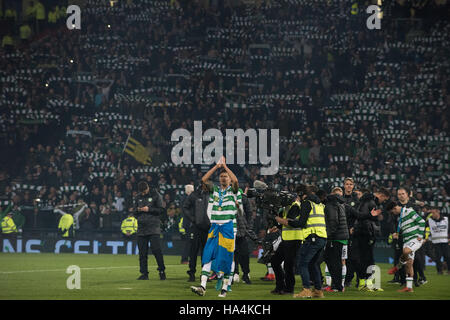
{"x": 135, "y": 149}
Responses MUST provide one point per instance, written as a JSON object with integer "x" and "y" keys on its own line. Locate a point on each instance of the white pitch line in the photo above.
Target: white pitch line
{"x": 63, "y": 270}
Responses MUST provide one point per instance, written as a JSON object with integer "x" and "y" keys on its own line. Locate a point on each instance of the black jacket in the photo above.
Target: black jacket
{"x": 148, "y": 222}
{"x": 366, "y": 225}
{"x": 244, "y": 221}
{"x": 335, "y": 218}
{"x": 351, "y": 200}
{"x": 303, "y": 212}
{"x": 195, "y": 209}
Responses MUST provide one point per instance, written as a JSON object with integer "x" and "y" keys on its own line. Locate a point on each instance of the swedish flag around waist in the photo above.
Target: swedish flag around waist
{"x": 220, "y": 247}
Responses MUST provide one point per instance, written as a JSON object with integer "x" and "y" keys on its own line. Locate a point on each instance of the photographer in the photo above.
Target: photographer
{"x": 291, "y": 235}
{"x": 148, "y": 206}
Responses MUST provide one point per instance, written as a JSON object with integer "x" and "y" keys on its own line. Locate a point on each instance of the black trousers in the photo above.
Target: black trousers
{"x": 333, "y": 259}
{"x": 287, "y": 251}
{"x": 197, "y": 240}
{"x": 242, "y": 255}
{"x": 142, "y": 242}
{"x": 363, "y": 254}
{"x": 429, "y": 251}
{"x": 398, "y": 251}
{"x": 441, "y": 250}
{"x": 419, "y": 264}
{"x": 351, "y": 263}
{"x": 186, "y": 246}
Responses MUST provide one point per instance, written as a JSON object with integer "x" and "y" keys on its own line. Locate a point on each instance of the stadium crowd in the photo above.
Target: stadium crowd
{"x": 348, "y": 101}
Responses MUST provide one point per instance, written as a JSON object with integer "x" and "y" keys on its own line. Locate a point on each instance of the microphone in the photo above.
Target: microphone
{"x": 260, "y": 185}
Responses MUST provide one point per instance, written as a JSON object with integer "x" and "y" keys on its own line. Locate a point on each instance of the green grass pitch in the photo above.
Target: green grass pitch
{"x": 111, "y": 277}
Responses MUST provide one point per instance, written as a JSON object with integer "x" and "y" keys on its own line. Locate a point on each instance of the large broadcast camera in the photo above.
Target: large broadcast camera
{"x": 270, "y": 201}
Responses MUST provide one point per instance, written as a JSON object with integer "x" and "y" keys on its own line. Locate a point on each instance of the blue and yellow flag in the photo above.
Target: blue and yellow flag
{"x": 220, "y": 247}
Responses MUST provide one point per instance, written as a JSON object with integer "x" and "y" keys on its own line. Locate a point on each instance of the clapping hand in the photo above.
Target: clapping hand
{"x": 222, "y": 162}
{"x": 375, "y": 213}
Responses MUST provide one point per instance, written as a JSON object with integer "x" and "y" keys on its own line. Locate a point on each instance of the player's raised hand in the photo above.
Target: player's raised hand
{"x": 224, "y": 162}
{"x": 219, "y": 163}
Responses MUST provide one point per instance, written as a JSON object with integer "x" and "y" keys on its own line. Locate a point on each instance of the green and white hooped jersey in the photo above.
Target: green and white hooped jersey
{"x": 411, "y": 225}
{"x": 222, "y": 206}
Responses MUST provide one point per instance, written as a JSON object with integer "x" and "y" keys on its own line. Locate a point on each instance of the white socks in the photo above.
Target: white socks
{"x": 409, "y": 282}
{"x": 327, "y": 276}
{"x": 205, "y": 270}
{"x": 344, "y": 273}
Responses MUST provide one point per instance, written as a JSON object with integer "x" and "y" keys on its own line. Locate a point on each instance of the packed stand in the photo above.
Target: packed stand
{"x": 349, "y": 101}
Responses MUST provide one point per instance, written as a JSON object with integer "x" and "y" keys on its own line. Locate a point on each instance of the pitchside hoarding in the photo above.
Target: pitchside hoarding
{"x": 383, "y": 252}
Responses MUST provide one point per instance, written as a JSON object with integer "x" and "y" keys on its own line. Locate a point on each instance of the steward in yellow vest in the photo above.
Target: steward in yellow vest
{"x": 10, "y": 14}
{"x": 7, "y": 41}
{"x": 129, "y": 226}
{"x": 62, "y": 14}
{"x": 30, "y": 12}
{"x": 25, "y": 32}
{"x": 65, "y": 226}
{"x": 291, "y": 236}
{"x": 8, "y": 225}
{"x": 40, "y": 11}
{"x": 52, "y": 16}
{"x": 354, "y": 10}
{"x": 314, "y": 239}
{"x": 180, "y": 227}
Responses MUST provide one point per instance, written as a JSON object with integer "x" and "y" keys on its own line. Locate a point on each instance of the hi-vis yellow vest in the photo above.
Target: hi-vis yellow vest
{"x": 129, "y": 225}
{"x": 180, "y": 226}
{"x": 65, "y": 223}
{"x": 288, "y": 232}
{"x": 52, "y": 16}
{"x": 354, "y": 8}
{"x": 8, "y": 225}
{"x": 316, "y": 221}
{"x": 427, "y": 229}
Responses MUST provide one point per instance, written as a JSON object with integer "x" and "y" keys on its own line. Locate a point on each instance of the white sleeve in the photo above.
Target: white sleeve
{"x": 59, "y": 211}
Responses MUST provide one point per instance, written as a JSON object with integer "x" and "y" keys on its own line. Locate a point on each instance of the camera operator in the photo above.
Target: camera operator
{"x": 148, "y": 204}
{"x": 291, "y": 235}
{"x": 195, "y": 209}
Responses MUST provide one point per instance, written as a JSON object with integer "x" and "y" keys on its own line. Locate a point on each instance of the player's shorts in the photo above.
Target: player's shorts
{"x": 413, "y": 245}
{"x": 344, "y": 252}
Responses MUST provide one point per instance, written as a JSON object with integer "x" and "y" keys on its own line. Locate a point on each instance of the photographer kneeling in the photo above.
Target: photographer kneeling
{"x": 291, "y": 235}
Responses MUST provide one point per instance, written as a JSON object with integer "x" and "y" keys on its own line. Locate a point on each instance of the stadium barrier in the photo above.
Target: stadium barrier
{"x": 98, "y": 243}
